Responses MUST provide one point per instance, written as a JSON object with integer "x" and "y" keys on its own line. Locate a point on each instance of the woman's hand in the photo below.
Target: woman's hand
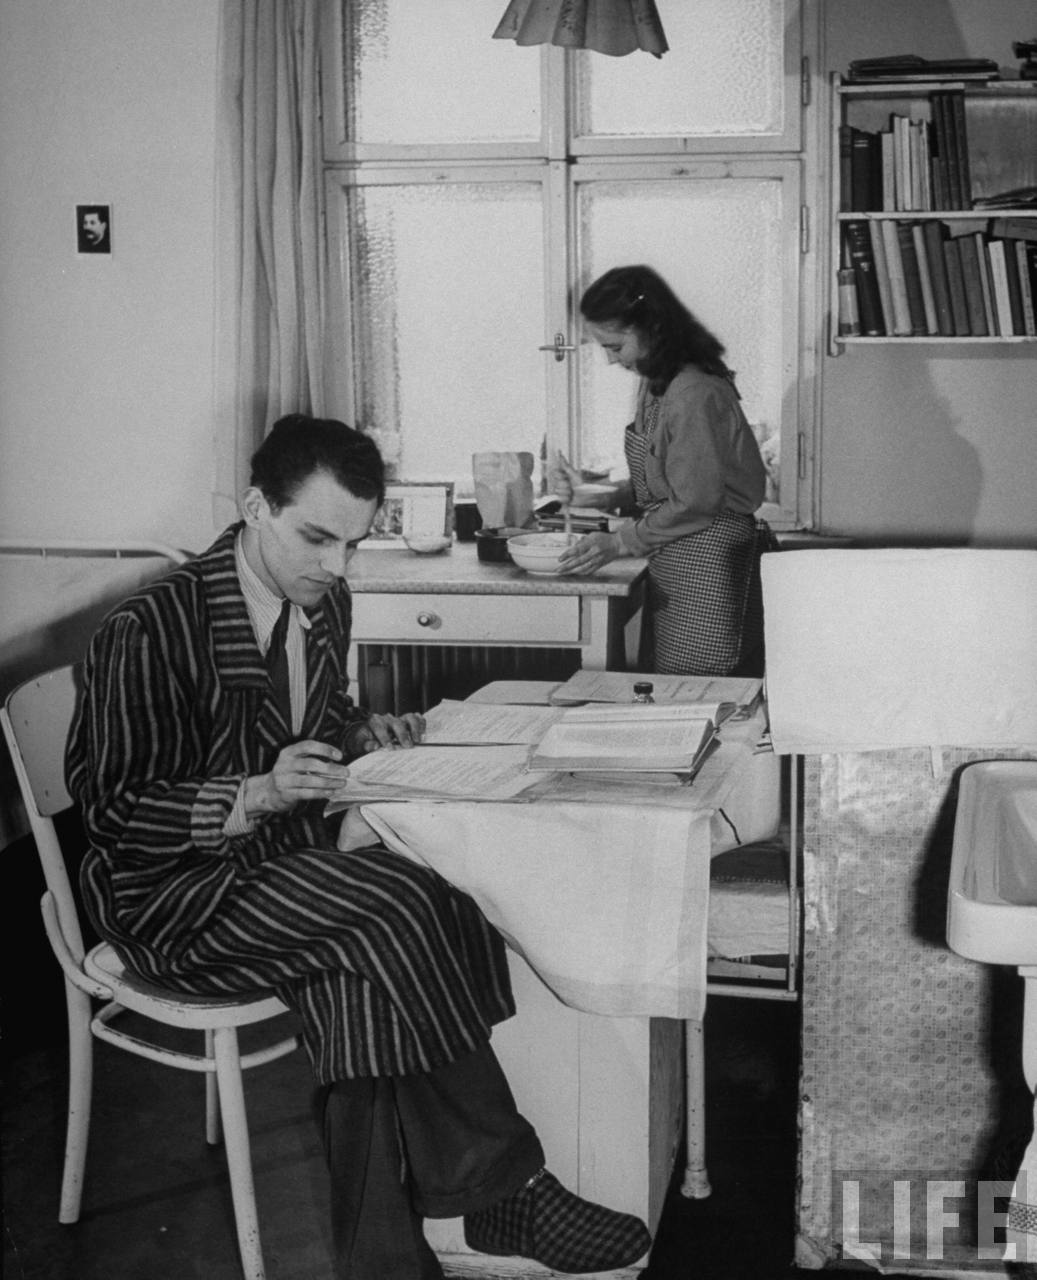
{"x": 390, "y": 731}
{"x": 563, "y": 477}
{"x": 591, "y": 552}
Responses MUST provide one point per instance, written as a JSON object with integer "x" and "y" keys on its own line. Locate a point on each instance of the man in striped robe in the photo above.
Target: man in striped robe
{"x": 202, "y": 771}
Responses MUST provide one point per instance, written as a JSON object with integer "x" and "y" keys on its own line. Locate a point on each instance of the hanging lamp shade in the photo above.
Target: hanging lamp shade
{"x": 615, "y": 27}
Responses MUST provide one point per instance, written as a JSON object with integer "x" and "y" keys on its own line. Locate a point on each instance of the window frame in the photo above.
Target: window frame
{"x": 562, "y": 163}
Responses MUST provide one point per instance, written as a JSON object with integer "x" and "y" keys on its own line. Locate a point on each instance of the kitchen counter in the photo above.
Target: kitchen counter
{"x": 459, "y": 571}
{"x": 454, "y": 598}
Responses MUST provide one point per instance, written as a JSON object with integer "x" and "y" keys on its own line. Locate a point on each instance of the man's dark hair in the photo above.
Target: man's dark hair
{"x": 639, "y": 298}
{"x": 298, "y": 445}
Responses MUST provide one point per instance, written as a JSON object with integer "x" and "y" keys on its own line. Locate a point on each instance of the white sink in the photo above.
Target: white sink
{"x": 992, "y": 898}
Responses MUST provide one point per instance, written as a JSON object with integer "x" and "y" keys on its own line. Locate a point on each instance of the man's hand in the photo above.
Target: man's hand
{"x": 304, "y": 771}
{"x": 390, "y": 731}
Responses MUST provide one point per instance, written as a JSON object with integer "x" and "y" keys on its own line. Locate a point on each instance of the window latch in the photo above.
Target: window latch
{"x": 559, "y": 347}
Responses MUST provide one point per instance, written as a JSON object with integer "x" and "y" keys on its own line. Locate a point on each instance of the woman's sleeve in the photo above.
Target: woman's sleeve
{"x": 686, "y": 463}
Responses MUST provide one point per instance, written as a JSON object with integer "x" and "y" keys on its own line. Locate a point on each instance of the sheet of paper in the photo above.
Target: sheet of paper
{"x": 618, "y": 686}
{"x": 534, "y": 693}
{"x": 659, "y": 738}
{"x": 470, "y": 773}
{"x": 472, "y": 723}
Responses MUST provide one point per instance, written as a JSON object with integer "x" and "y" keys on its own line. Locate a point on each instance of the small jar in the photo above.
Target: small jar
{"x": 643, "y": 691}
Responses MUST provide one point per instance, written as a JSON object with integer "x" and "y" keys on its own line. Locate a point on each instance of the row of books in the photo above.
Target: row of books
{"x": 963, "y": 279}
{"x": 918, "y": 164}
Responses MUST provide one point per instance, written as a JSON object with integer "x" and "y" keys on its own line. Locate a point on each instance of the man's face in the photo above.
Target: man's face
{"x": 303, "y": 549}
{"x": 93, "y": 227}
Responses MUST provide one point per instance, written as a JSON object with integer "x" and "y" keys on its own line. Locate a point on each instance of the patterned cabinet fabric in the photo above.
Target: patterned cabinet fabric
{"x": 911, "y": 1069}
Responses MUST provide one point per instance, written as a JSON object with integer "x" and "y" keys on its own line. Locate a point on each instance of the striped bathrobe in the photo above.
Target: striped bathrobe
{"x": 391, "y": 969}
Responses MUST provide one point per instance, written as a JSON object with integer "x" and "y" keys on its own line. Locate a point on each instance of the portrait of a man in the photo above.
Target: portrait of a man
{"x": 93, "y": 228}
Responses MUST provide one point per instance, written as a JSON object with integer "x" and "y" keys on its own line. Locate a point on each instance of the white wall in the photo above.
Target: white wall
{"x": 930, "y": 443}
{"x": 106, "y": 365}
{"x": 106, "y": 406}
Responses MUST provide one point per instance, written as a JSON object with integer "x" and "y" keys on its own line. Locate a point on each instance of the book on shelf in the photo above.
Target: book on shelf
{"x": 865, "y": 170}
{"x": 1026, "y": 287}
{"x": 862, "y": 260}
{"x": 846, "y": 132}
{"x": 889, "y": 171}
{"x": 973, "y": 282}
{"x": 940, "y": 149}
{"x": 1014, "y": 228}
{"x": 616, "y": 739}
{"x": 999, "y": 283}
{"x": 933, "y": 233}
{"x": 1017, "y": 198}
{"x": 925, "y": 278}
{"x": 961, "y": 148}
{"x": 902, "y": 324}
{"x": 956, "y": 288}
{"x": 912, "y": 68}
{"x": 985, "y": 282}
{"x": 878, "y": 251}
{"x": 912, "y": 278}
{"x": 1015, "y": 297}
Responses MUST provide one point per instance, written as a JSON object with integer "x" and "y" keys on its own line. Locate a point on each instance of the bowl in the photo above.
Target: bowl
{"x": 538, "y": 553}
{"x": 429, "y": 544}
{"x": 594, "y": 495}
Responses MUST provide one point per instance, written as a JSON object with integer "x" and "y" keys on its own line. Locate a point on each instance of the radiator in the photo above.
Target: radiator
{"x": 413, "y": 677}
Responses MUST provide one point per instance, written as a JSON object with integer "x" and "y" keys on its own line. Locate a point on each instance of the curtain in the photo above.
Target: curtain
{"x": 270, "y": 276}
{"x": 615, "y": 27}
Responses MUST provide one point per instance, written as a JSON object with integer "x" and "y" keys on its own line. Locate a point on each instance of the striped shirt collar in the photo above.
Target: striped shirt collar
{"x": 262, "y": 604}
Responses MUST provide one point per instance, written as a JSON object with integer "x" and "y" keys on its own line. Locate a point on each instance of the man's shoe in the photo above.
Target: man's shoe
{"x": 545, "y": 1222}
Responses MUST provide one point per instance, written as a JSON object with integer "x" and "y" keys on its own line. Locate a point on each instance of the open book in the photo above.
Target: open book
{"x": 435, "y": 773}
{"x": 644, "y": 739}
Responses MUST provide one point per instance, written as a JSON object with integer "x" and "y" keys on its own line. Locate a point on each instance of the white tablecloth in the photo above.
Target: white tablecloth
{"x": 606, "y": 901}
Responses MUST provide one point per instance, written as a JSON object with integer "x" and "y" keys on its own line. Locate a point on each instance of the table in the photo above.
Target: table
{"x": 455, "y": 598}
{"x": 602, "y": 894}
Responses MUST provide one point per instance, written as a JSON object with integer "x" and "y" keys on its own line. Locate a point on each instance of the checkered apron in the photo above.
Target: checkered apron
{"x": 703, "y": 606}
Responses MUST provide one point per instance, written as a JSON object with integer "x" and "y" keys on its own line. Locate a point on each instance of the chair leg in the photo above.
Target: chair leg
{"x": 212, "y": 1097}
{"x": 239, "y": 1158}
{"x": 696, "y": 1179}
{"x": 80, "y": 1089}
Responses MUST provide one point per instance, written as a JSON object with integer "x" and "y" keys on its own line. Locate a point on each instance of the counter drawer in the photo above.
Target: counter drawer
{"x": 465, "y": 619}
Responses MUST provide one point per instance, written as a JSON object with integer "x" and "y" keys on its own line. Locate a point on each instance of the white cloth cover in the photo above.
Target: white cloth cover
{"x": 606, "y": 903}
{"x": 886, "y": 648}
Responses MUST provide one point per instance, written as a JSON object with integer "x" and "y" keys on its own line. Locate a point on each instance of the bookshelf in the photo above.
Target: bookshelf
{"x": 925, "y": 237}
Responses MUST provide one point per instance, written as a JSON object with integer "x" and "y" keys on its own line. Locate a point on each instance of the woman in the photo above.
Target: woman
{"x": 696, "y": 479}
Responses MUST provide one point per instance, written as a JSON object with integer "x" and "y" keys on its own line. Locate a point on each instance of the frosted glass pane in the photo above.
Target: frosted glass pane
{"x": 724, "y": 74}
{"x": 419, "y": 81}
{"x": 448, "y": 314}
{"x": 719, "y": 244}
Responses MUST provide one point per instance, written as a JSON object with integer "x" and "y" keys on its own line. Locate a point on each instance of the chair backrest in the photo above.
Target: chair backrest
{"x": 36, "y": 719}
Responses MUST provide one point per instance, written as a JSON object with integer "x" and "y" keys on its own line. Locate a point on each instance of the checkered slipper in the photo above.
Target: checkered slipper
{"x": 550, "y": 1225}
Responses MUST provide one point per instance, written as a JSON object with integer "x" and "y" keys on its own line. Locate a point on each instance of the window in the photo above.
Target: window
{"x": 474, "y": 188}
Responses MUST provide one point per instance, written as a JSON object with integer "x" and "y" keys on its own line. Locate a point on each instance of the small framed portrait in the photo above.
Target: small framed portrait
{"x": 93, "y": 229}
{"x": 413, "y": 510}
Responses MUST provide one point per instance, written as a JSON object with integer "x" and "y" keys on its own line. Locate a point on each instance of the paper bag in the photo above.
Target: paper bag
{"x": 503, "y": 488}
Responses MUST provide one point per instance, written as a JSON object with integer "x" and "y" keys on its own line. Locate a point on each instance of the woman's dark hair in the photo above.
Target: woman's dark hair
{"x": 639, "y": 298}
{"x": 298, "y": 445}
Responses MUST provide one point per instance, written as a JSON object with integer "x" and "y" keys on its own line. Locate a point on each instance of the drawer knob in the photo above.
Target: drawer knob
{"x": 427, "y": 619}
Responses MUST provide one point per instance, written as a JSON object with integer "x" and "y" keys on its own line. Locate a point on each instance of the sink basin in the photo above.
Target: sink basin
{"x": 992, "y": 898}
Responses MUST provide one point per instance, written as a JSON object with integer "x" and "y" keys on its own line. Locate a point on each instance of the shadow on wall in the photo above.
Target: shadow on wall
{"x": 904, "y": 476}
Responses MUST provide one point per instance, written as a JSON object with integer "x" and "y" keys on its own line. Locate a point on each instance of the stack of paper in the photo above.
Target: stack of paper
{"x": 435, "y": 773}
{"x": 646, "y": 739}
{"x": 729, "y": 692}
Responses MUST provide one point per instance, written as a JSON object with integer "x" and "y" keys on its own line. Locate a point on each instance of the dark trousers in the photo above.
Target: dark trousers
{"x": 404, "y": 1148}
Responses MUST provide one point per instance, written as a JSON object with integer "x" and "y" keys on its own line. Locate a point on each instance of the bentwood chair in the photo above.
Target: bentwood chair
{"x": 36, "y": 720}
